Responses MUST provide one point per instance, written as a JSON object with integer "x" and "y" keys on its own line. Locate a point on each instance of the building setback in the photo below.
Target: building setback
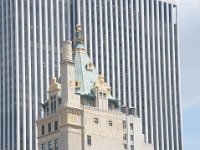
{"x": 133, "y": 42}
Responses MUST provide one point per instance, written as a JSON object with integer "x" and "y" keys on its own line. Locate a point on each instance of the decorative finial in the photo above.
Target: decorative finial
{"x": 101, "y": 78}
{"x": 67, "y": 50}
{"x": 54, "y": 86}
{"x": 78, "y": 35}
{"x": 78, "y": 28}
{"x": 53, "y": 80}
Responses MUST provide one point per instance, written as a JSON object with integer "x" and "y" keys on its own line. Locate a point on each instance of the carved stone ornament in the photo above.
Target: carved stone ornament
{"x": 101, "y": 79}
{"x": 100, "y": 83}
{"x": 54, "y": 86}
{"x": 67, "y": 50}
{"x": 71, "y": 83}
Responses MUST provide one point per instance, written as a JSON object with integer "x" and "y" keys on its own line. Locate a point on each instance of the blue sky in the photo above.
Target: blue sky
{"x": 189, "y": 15}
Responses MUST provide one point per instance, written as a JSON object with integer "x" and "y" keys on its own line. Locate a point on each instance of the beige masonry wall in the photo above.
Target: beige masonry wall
{"x": 76, "y": 124}
{"x": 103, "y": 135}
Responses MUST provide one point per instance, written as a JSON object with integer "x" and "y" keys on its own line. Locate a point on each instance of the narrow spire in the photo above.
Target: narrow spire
{"x": 79, "y": 40}
{"x": 78, "y": 35}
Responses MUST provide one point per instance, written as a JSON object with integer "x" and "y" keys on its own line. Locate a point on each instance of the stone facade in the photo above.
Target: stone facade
{"x": 81, "y": 114}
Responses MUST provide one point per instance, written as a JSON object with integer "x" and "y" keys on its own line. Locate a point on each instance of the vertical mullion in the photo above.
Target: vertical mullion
{"x": 112, "y": 49}
{"x": 13, "y": 79}
{"x": 127, "y": 42}
{"x": 58, "y": 38}
{"x": 139, "y": 60}
{"x": 41, "y": 55}
{"x": 29, "y": 75}
{"x": 46, "y": 46}
{"x": 165, "y": 123}
{"x": 74, "y": 17}
{"x": 3, "y": 52}
{"x": 118, "y": 8}
{"x": 35, "y": 70}
{"x": 107, "y": 44}
{"x": 69, "y": 21}
{"x": 90, "y": 29}
{"x": 133, "y": 103}
{"x": 143, "y": 70}
{"x": 161, "y": 146}
{"x": 149, "y": 81}
{"x": 84, "y": 22}
{"x": 123, "y": 57}
{"x": 155, "y": 132}
{"x": 78, "y": 11}
{"x": 101, "y": 38}
{"x": 95, "y": 36}
{"x": 117, "y": 49}
{"x": 7, "y": 111}
{"x": 170, "y": 129}
{"x": 63, "y": 21}
{"x": 17, "y": 76}
{"x": 52, "y": 67}
{"x": 174, "y": 82}
{"x": 23, "y": 76}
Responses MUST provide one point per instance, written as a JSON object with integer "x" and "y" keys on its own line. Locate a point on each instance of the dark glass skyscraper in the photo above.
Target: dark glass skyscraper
{"x": 133, "y": 42}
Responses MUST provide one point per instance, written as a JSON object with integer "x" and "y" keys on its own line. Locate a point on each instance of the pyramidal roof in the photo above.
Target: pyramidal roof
{"x": 85, "y": 72}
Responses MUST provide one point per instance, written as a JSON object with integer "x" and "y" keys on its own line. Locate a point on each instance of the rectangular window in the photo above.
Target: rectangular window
{"x": 47, "y": 110}
{"x": 43, "y": 146}
{"x": 131, "y": 126}
{"x": 43, "y": 129}
{"x": 101, "y": 94}
{"x": 125, "y": 146}
{"x": 52, "y": 110}
{"x": 110, "y": 106}
{"x": 104, "y": 95}
{"x": 56, "y": 144}
{"x": 49, "y": 127}
{"x": 59, "y": 100}
{"x": 96, "y": 120}
{"x": 51, "y": 98}
{"x": 124, "y": 125}
{"x": 132, "y": 147}
{"x": 89, "y": 140}
{"x": 110, "y": 123}
{"x": 49, "y": 146}
{"x": 132, "y": 137}
{"x": 125, "y": 137}
{"x": 56, "y": 125}
{"x": 55, "y": 105}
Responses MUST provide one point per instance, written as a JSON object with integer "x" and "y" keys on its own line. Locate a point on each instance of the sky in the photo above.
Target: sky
{"x": 189, "y": 23}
